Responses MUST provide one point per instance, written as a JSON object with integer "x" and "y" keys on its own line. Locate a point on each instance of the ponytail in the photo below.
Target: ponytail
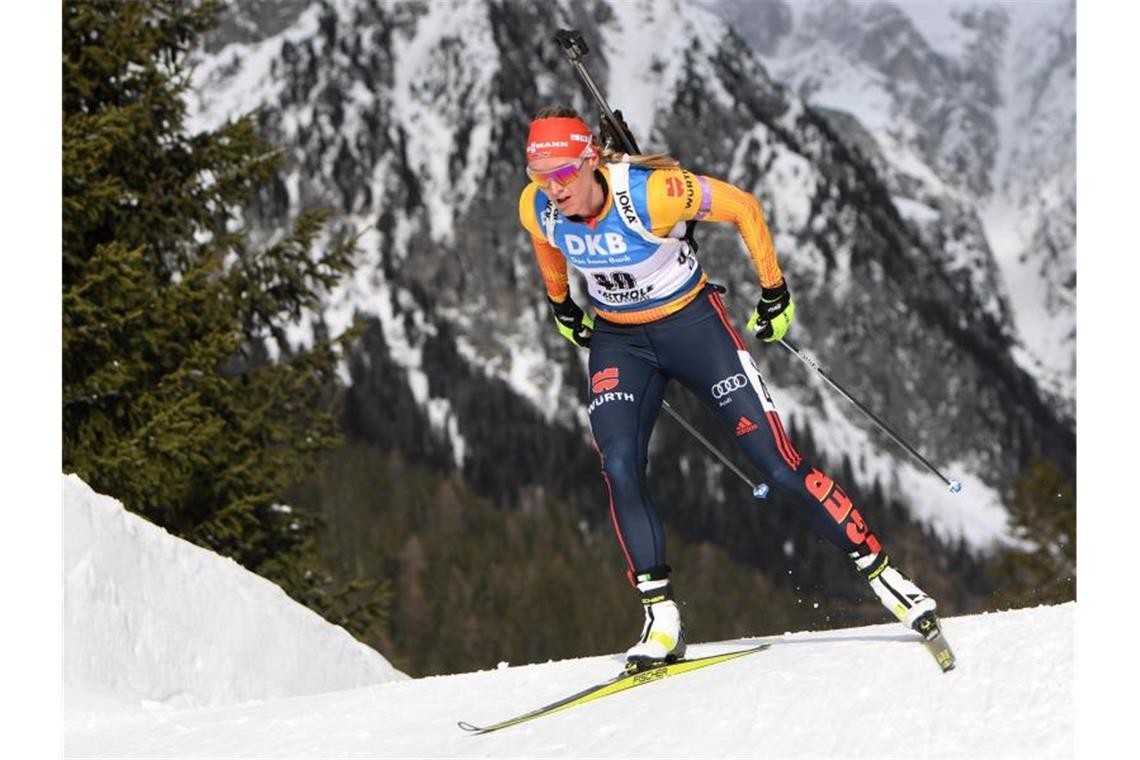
{"x": 647, "y": 160}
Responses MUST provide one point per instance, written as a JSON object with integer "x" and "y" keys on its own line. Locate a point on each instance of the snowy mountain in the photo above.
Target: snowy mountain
{"x": 969, "y": 112}
{"x": 172, "y": 651}
{"x": 409, "y": 118}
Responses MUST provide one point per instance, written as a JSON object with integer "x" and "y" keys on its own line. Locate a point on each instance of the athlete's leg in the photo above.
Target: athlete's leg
{"x": 626, "y": 389}
{"x": 719, "y": 369}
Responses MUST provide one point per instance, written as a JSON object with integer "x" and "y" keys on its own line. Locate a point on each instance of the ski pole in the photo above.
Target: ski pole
{"x": 759, "y": 490}
{"x": 955, "y": 486}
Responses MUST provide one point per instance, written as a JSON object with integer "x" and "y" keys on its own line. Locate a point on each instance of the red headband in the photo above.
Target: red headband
{"x": 562, "y": 137}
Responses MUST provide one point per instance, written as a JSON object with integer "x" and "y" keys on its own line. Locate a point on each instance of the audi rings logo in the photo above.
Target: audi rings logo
{"x": 728, "y": 385}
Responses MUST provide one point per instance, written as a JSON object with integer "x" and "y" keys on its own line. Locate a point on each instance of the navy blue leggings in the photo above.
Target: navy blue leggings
{"x": 629, "y": 367}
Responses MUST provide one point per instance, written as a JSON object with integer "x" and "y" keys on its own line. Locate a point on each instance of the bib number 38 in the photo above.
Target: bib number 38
{"x": 615, "y": 281}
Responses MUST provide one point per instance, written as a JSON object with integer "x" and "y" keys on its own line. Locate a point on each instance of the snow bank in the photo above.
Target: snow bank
{"x": 151, "y": 619}
{"x": 155, "y": 622}
{"x": 869, "y": 692}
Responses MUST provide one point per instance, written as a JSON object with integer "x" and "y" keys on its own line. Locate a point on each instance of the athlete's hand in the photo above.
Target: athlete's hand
{"x": 575, "y": 325}
{"x": 773, "y": 313}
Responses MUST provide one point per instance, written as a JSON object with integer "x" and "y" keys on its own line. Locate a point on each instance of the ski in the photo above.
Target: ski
{"x": 940, "y": 650}
{"x": 619, "y": 683}
{"x": 935, "y": 642}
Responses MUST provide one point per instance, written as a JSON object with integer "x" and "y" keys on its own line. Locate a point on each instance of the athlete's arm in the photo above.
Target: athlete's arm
{"x": 677, "y": 195}
{"x": 551, "y": 262}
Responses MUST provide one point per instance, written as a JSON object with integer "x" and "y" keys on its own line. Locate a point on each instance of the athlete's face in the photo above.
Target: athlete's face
{"x": 574, "y": 192}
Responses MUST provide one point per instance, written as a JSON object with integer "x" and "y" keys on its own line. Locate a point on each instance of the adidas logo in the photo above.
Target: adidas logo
{"x": 745, "y": 426}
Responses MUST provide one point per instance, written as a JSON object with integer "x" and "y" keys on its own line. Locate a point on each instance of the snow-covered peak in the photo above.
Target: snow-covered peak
{"x": 968, "y": 109}
{"x": 410, "y": 119}
{"x": 642, "y": 78}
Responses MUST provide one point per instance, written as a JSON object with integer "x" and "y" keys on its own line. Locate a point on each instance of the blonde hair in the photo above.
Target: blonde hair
{"x": 611, "y": 155}
{"x": 648, "y": 160}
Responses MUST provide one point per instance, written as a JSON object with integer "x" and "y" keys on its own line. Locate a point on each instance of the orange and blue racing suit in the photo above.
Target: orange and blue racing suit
{"x": 657, "y": 318}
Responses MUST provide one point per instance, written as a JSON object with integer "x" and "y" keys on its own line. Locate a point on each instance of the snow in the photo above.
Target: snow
{"x": 641, "y": 77}
{"x": 790, "y": 179}
{"x": 172, "y": 651}
{"x": 939, "y": 24}
{"x": 153, "y": 622}
{"x": 842, "y": 85}
{"x": 428, "y": 64}
{"x": 976, "y": 514}
{"x": 422, "y": 72}
{"x": 914, "y": 210}
{"x": 239, "y": 77}
{"x": 1035, "y": 174}
{"x": 406, "y": 350}
{"x": 1032, "y": 171}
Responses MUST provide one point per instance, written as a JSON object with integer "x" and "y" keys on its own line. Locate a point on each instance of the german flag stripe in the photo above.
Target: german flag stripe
{"x": 718, "y": 305}
{"x": 617, "y": 528}
{"x": 613, "y": 515}
{"x": 790, "y": 455}
{"x": 788, "y": 441}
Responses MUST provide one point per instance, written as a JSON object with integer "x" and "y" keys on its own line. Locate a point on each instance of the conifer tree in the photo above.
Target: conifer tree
{"x": 1043, "y": 569}
{"x": 170, "y": 402}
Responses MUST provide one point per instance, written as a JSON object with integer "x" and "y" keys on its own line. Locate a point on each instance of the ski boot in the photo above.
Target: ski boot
{"x": 899, "y": 594}
{"x": 663, "y": 636}
{"x": 908, "y": 603}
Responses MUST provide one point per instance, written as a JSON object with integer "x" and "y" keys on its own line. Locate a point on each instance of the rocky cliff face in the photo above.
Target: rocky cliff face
{"x": 410, "y": 118}
{"x": 968, "y": 113}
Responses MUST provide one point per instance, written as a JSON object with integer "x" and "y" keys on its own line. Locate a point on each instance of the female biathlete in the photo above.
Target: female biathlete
{"x": 620, "y": 220}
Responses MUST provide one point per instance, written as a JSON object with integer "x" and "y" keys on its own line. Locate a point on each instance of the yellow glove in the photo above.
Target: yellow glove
{"x": 773, "y": 314}
{"x": 575, "y": 325}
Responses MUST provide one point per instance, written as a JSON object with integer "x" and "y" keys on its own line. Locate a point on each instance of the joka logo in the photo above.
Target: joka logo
{"x": 592, "y": 245}
{"x": 548, "y": 213}
{"x": 745, "y": 426}
{"x": 625, "y": 204}
{"x": 728, "y": 385}
{"x": 605, "y": 380}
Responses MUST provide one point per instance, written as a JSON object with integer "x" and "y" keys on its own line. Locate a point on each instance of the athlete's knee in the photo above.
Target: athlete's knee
{"x": 770, "y": 450}
{"x": 784, "y": 476}
{"x": 621, "y": 463}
